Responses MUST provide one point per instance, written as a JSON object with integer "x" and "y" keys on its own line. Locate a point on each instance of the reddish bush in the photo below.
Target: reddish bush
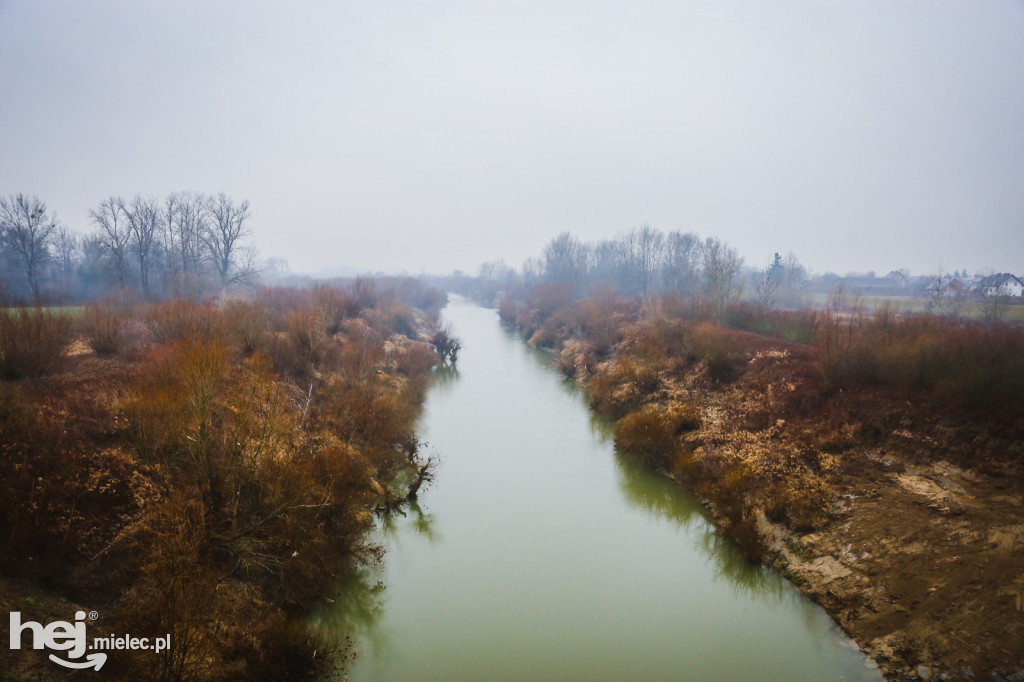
{"x": 722, "y": 350}
{"x": 32, "y": 341}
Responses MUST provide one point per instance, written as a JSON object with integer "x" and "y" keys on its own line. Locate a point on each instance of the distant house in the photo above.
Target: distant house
{"x": 1003, "y": 284}
{"x": 954, "y": 288}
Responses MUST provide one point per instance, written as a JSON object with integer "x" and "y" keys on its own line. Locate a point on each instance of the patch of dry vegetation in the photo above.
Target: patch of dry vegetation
{"x": 32, "y": 341}
{"x": 210, "y": 483}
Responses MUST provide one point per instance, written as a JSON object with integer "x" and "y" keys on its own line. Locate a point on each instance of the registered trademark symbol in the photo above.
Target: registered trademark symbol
{"x": 93, "y": 615}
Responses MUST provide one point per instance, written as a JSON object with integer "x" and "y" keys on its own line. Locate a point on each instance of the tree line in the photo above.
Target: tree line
{"x": 187, "y": 244}
{"x": 645, "y": 261}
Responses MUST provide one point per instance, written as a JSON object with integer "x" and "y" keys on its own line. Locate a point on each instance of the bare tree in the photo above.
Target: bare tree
{"x": 144, "y": 225}
{"x": 681, "y": 262}
{"x": 607, "y": 261}
{"x": 564, "y": 259}
{"x": 114, "y": 234}
{"x": 223, "y": 236}
{"x": 67, "y": 247}
{"x": 92, "y": 265}
{"x": 26, "y": 231}
{"x": 186, "y": 220}
{"x": 722, "y": 265}
{"x": 644, "y": 247}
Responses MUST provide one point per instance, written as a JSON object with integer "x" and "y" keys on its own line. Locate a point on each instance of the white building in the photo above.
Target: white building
{"x": 1003, "y": 284}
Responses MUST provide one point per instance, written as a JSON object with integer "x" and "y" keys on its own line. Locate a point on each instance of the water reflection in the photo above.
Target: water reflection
{"x": 421, "y": 523}
{"x": 664, "y": 499}
{"x": 354, "y": 611}
{"x": 443, "y": 378}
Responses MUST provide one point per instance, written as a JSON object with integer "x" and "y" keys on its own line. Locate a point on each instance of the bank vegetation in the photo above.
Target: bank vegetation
{"x": 203, "y": 469}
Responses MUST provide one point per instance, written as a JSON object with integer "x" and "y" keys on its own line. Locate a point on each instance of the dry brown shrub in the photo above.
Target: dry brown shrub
{"x": 335, "y": 306}
{"x": 659, "y": 341}
{"x": 571, "y": 358}
{"x": 722, "y": 350}
{"x": 249, "y": 324}
{"x": 60, "y": 496}
{"x": 732, "y": 494}
{"x": 508, "y": 309}
{"x": 621, "y": 386}
{"x": 307, "y": 332}
{"x": 414, "y": 360}
{"x": 652, "y": 433}
{"x": 32, "y": 341}
{"x": 802, "y": 501}
{"x": 966, "y": 364}
{"x": 361, "y": 348}
{"x": 102, "y": 325}
{"x": 179, "y": 319}
{"x": 396, "y": 318}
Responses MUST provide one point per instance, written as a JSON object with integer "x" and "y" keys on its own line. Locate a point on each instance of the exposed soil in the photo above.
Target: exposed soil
{"x": 923, "y": 567}
{"x": 921, "y": 559}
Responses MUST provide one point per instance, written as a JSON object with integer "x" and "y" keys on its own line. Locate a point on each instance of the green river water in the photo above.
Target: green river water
{"x": 542, "y": 554}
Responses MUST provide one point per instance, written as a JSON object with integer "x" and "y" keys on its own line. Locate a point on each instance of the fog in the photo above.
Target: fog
{"x": 866, "y": 135}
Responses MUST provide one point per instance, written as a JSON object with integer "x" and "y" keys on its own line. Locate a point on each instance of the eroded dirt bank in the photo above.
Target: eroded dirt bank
{"x": 923, "y": 567}
{"x": 920, "y": 557}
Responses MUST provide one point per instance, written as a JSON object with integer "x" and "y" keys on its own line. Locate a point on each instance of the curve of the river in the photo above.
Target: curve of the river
{"x": 541, "y": 554}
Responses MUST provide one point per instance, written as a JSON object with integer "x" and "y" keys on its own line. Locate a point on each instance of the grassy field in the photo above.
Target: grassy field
{"x": 69, "y": 310}
{"x": 1011, "y": 312}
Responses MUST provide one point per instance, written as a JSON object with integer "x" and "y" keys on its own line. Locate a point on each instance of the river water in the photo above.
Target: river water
{"x": 541, "y": 554}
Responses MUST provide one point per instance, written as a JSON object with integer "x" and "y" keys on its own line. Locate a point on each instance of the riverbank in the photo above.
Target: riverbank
{"x": 919, "y": 555}
{"x": 203, "y": 471}
{"x": 900, "y": 513}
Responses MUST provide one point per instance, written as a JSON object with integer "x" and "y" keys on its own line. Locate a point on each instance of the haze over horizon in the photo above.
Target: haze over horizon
{"x": 400, "y": 136}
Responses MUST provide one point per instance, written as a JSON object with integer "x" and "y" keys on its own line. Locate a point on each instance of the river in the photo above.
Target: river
{"x": 541, "y": 554}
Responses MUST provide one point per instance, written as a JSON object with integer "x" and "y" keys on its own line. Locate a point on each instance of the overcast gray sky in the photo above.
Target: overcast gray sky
{"x": 864, "y": 134}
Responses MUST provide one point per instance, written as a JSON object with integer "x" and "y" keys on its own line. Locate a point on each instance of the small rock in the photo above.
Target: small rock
{"x": 1017, "y": 676}
{"x": 924, "y": 672}
{"x": 967, "y": 673}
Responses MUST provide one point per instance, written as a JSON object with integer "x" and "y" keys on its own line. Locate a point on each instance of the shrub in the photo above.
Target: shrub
{"x": 445, "y": 343}
{"x": 32, "y": 341}
{"x": 414, "y": 360}
{"x": 179, "y": 319}
{"x": 801, "y": 501}
{"x": 722, "y": 350}
{"x": 335, "y": 306}
{"x": 652, "y": 433}
{"x": 248, "y": 322}
{"x": 103, "y": 327}
{"x": 307, "y": 331}
{"x": 968, "y": 364}
{"x": 621, "y": 386}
